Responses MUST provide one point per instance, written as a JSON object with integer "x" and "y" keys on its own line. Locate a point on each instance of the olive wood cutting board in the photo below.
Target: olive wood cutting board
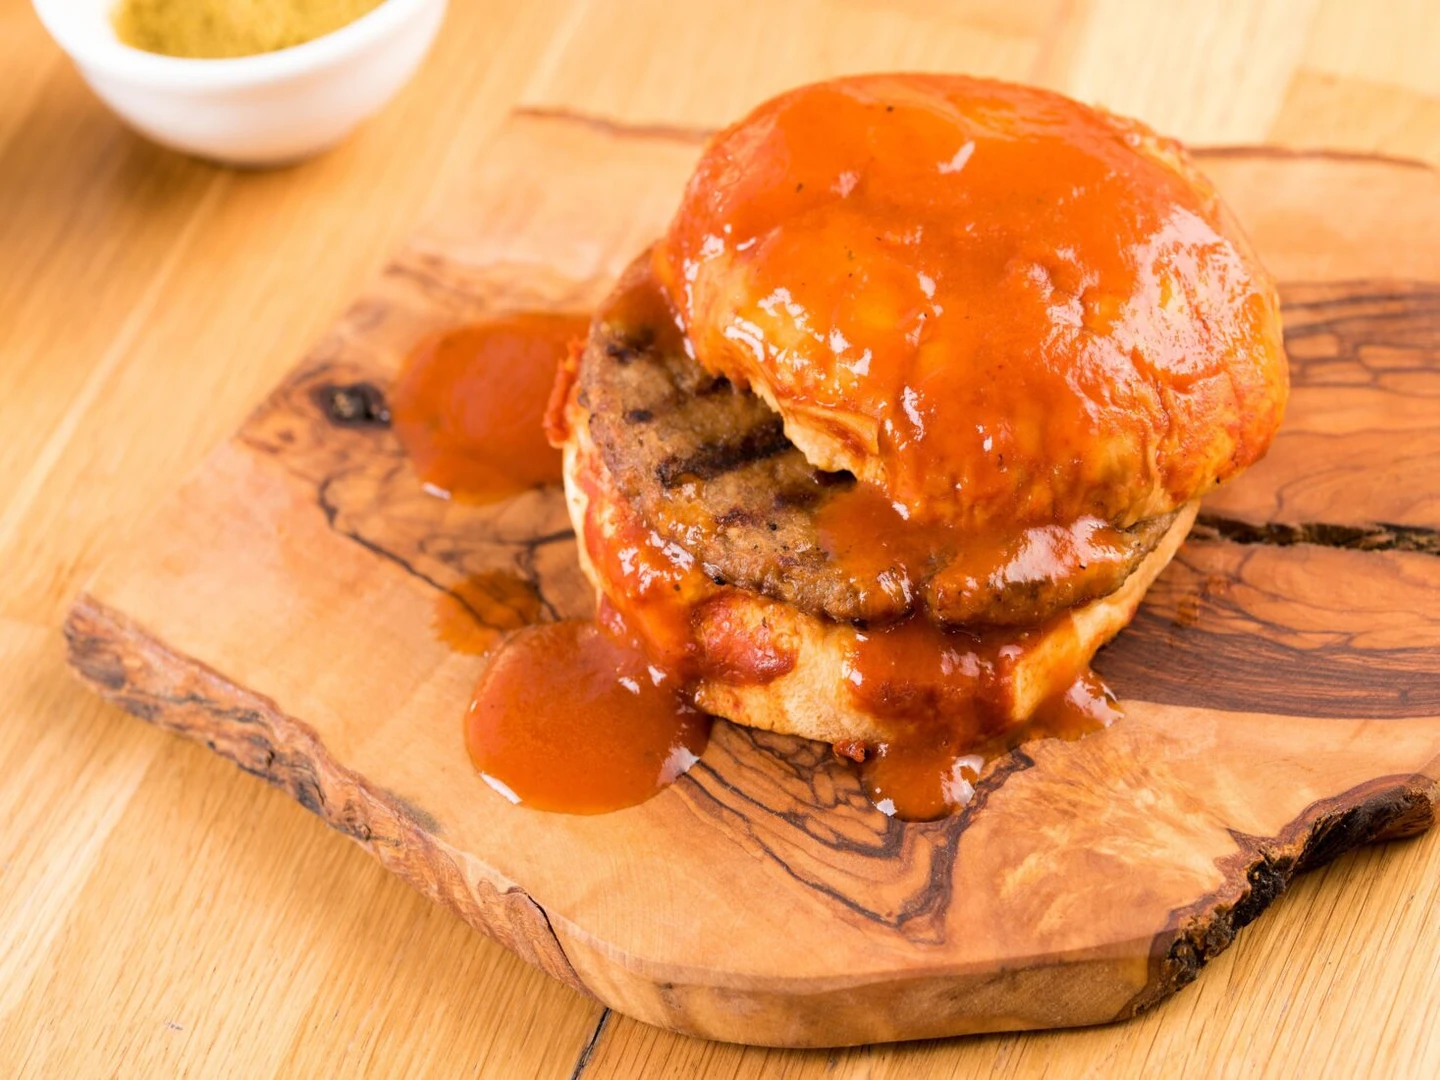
{"x": 1281, "y": 685}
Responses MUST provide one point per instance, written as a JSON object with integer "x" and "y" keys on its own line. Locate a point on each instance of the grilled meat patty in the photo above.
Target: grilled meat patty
{"x": 708, "y": 466}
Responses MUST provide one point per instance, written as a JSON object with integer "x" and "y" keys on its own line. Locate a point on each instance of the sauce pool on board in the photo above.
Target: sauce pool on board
{"x": 570, "y": 717}
{"x": 469, "y": 406}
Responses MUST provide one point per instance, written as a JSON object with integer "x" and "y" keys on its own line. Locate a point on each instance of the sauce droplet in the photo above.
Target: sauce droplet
{"x": 568, "y": 718}
{"x": 470, "y": 403}
{"x": 1086, "y": 706}
{"x": 920, "y": 780}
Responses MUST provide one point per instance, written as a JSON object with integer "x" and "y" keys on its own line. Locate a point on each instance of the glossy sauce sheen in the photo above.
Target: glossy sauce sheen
{"x": 863, "y": 530}
{"x": 469, "y": 405}
{"x": 947, "y": 698}
{"x": 944, "y": 695}
{"x": 686, "y": 623}
{"x": 568, "y": 717}
{"x": 930, "y": 774}
{"x": 591, "y": 717}
{"x": 1003, "y": 307}
{"x": 1023, "y": 324}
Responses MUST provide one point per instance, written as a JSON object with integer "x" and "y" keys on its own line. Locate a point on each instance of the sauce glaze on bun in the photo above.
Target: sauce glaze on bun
{"x": 1002, "y": 307}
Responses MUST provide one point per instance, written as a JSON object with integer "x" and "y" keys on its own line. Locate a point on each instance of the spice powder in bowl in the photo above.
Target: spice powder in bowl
{"x": 245, "y": 82}
{"x": 217, "y": 29}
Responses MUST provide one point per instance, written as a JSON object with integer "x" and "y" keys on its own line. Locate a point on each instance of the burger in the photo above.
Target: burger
{"x": 892, "y": 429}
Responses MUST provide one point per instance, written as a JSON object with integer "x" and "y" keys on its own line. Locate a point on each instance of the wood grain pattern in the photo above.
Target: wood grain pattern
{"x": 162, "y": 913}
{"x": 279, "y": 612}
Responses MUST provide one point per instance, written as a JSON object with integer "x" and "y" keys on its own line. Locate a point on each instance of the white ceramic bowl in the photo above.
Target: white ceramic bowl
{"x": 269, "y": 109}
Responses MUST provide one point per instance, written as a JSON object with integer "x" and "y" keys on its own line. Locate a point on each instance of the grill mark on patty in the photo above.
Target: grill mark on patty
{"x": 714, "y": 459}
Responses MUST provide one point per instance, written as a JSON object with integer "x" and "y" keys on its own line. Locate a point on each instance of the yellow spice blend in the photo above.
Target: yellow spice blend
{"x": 212, "y": 29}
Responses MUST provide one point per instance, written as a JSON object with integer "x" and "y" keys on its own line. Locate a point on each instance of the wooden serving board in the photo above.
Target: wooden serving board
{"x": 1281, "y": 684}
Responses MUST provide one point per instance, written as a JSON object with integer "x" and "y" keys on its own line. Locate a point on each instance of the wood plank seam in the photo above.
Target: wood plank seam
{"x": 582, "y": 1062}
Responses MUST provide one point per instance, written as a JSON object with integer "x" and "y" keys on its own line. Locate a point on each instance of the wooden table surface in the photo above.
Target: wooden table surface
{"x": 162, "y": 913}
